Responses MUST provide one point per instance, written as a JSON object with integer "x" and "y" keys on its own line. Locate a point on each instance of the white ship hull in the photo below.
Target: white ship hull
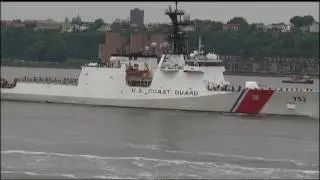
{"x": 173, "y": 83}
{"x": 178, "y": 90}
{"x": 233, "y": 102}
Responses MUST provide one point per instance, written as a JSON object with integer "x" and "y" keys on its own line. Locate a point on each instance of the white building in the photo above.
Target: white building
{"x": 260, "y": 26}
{"x": 314, "y": 27}
{"x": 280, "y": 27}
{"x": 83, "y": 27}
{"x": 67, "y": 27}
{"x": 104, "y": 28}
{"x": 305, "y": 29}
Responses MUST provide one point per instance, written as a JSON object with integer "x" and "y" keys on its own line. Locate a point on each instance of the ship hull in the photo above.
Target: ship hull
{"x": 269, "y": 102}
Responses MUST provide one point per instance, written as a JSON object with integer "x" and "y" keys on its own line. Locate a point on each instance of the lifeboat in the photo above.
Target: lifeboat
{"x": 138, "y": 73}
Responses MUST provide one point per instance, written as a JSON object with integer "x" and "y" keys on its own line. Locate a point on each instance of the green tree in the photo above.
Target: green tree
{"x": 216, "y": 26}
{"x": 308, "y": 20}
{"x": 238, "y": 20}
{"x": 97, "y": 24}
{"x": 57, "y": 51}
{"x": 24, "y": 43}
{"x": 297, "y": 21}
{"x": 31, "y": 53}
{"x": 244, "y": 26}
{"x": 40, "y": 48}
{"x": 300, "y": 21}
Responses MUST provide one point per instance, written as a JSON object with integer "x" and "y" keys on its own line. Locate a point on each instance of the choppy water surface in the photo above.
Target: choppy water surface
{"x": 74, "y": 141}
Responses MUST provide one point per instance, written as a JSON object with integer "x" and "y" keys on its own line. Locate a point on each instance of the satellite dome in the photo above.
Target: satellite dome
{"x": 147, "y": 48}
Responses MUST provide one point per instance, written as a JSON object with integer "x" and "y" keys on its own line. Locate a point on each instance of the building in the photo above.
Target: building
{"x": 4, "y": 24}
{"x": 70, "y": 27}
{"x": 84, "y": 26}
{"x": 231, "y": 27}
{"x": 260, "y": 26}
{"x": 47, "y": 24}
{"x": 136, "y": 43}
{"x": 136, "y": 16}
{"x": 279, "y": 27}
{"x": 12, "y": 24}
{"x": 305, "y": 29}
{"x": 67, "y": 27}
{"x": 30, "y": 23}
{"x": 114, "y": 44}
{"x": 104, "y": 28}
{"x": 314, "y": 27}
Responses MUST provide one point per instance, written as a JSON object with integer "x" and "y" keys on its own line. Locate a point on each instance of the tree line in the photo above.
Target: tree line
{"x": 258, "y": 44}
{"x": 51, "y": 45}
{"x": 251, "y": 41}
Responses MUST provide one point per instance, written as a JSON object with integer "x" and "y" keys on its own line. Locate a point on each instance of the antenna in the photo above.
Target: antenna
{"x": 177, "y": 35}
{"x": 176, "y": 5}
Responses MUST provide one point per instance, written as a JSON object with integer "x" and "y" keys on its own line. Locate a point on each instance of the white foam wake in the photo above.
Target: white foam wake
{"x": 154, "y": 147}
{"x": 39, "y": 174}
{"x": 300, "y": 163}
{"x": 210, "y": 165}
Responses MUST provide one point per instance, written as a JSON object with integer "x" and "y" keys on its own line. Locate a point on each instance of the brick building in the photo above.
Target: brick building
{"x": 137, "y": 43}
{"x": 115, "y": 44}
{"x": 231, "y": 27}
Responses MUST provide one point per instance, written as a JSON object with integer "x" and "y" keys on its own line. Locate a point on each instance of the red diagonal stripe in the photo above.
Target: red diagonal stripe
{"x": 252, "y": 105}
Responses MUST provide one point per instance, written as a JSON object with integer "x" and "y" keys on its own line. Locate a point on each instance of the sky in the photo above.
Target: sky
{"x": 266, "y": 12}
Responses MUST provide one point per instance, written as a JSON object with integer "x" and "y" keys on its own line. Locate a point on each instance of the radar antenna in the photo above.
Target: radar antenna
{"x": 177, "y": 36}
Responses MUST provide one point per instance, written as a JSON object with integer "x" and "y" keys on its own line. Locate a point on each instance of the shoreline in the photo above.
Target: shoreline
{"x": 265, "y": 74}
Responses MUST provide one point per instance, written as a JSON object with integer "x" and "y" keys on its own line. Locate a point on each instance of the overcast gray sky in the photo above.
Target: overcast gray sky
{"x": 266, "y": 12}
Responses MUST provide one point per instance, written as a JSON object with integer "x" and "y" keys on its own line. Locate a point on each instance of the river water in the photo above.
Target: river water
{"x": 75, "y": 141}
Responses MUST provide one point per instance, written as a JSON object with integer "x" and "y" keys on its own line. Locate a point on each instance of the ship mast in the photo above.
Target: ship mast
{"x": 177, "y": 36}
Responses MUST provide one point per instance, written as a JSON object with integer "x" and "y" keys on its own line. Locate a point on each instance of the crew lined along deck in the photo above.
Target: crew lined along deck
{"x": 137, "y": 83}
{"x": 7, "y": 84}
{"x": 49, "y": 80}
{"x": 237, "y": 88}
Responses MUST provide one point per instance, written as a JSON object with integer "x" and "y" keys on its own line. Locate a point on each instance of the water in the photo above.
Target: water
{"x": 75, "y": 141}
